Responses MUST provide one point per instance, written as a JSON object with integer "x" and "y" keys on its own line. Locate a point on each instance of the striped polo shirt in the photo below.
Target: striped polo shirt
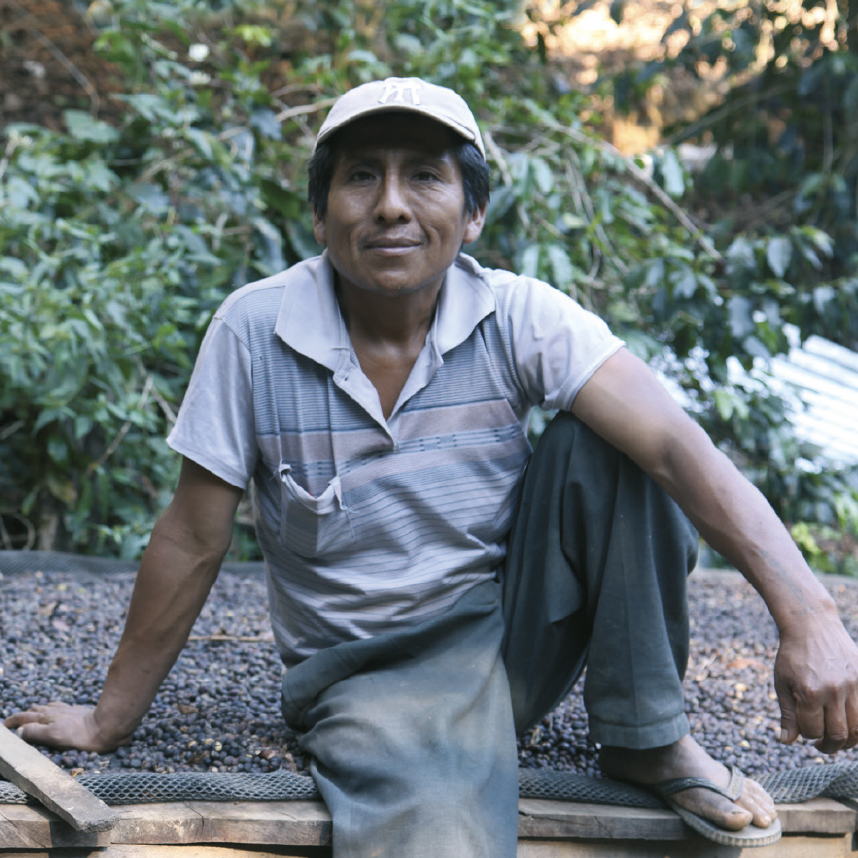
{"x": 367, "y": 523}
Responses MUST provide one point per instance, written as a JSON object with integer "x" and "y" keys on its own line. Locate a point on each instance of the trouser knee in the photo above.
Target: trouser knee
{"x": 597, "y": 562}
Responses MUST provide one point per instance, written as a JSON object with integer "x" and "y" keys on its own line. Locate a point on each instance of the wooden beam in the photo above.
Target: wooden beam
{"x": 695, "y": 847}
{"x": 539, "y": 818}
{"x": 126, "y": 851}
{"x": 32, "y": 772}
{"x": 291, "y": 824}
{"x": 25, "y": 827}
{"x": 820, "y": 828}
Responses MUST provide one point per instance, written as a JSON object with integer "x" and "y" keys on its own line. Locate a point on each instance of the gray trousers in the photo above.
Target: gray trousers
{"x": 412, "y": 734}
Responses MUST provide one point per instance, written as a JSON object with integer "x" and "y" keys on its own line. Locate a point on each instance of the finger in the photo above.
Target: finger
{"x": 810, "y": 717}
{"x": 49, "y": 708}
{"x": 841, "y": 726}
{"x": 836, "y": 732}
{"x": 18, "y": 719}
{"x": 851, "y": 721}
{"x": 38, "y": 712}
{"x": 51, "y": 733}
{"x": 789, "y": 720}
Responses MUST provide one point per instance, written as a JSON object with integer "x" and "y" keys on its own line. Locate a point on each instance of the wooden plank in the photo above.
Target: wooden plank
{"x": 292, "y": 823}
{"x": 32, "y": 772}
{"x": 32, "y": 827}
{"x": 787, "y": 847}
{"x": 562, "y": 819}
{"x": 565, "y": 819}
{"x": 165, "y": 824}
{"x": 297, "y": 823}
{"x": 196, "y": 851}
{"x": 550, "y": 828}
{"x": 817, "y": 816}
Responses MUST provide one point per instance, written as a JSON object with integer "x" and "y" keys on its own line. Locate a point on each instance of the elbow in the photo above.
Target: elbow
{"x": 680, "y": 457}
{"x": 199, "y": 544}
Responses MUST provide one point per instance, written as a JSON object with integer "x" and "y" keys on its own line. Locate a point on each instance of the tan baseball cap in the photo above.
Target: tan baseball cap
{"x": 403, "y": 93}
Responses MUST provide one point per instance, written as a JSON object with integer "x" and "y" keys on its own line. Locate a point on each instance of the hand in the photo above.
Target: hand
{"x": 816, "y": 680}
{"x": 62, "y": 726}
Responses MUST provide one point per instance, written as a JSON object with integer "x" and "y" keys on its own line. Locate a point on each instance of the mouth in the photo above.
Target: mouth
{"x": 392, "y": 245}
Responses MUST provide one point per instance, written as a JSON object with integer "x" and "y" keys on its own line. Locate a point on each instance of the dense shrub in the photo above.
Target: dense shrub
{"x": 118, "y": 238}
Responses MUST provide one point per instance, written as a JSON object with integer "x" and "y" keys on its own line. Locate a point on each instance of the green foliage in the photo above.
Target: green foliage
{"x": 117, "y": 241}
{"x": 780, "y": 195}
{"x": 118, "y": 238}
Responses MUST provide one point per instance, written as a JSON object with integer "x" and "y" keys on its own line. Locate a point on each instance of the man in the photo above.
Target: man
{"x": 427, "y": 599}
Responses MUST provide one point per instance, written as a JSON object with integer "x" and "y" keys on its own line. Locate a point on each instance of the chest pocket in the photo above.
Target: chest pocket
{"x": 311, "y": 525}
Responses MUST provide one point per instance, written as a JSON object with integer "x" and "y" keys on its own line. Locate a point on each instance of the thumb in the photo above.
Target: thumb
{"x": 21, "y": 724}
{"x": 29, "y": 733}
{"x": 37, "y": 732}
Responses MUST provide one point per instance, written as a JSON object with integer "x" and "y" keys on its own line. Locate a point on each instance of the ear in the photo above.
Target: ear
{"x": 319, "y": 230}
{"x": 474, "y": 224}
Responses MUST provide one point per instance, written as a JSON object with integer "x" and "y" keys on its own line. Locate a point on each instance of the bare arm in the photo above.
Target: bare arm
{"x": 816, "y": 674}
{"x": 176, "y": 574}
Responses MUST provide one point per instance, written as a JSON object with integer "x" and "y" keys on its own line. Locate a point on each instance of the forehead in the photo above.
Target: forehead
{"x": 396, "y": 131}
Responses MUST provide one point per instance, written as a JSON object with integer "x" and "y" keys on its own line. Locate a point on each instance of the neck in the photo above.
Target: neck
{"x": 393, "y": 319}
{"x": 387, "y": 333}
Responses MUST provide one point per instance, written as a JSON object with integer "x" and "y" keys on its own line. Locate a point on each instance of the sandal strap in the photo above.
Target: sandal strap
{"x": 732, "y": 791}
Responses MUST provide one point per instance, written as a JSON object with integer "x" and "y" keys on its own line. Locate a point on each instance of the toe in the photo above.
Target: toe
{"x": 717, "y": 809}
{"x": 756, "y": 800}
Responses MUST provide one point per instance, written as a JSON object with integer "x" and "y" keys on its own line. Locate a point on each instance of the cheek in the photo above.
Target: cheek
{"x": 337, "y": 237}
{"x": 342, "y": 222}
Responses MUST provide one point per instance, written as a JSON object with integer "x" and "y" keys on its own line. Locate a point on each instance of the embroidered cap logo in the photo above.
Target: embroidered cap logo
{"x": 395, "y": 90}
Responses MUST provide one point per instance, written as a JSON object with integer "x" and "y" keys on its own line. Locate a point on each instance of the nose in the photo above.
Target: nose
{"x": 392, "y": 203}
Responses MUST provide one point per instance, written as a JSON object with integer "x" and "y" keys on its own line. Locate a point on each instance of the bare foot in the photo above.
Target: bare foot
{"x": 686, "y": 758}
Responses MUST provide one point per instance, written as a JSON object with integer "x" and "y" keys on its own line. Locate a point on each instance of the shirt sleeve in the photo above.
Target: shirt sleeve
{"x": 556, "y": 343}
{"x": 215, "y": 427}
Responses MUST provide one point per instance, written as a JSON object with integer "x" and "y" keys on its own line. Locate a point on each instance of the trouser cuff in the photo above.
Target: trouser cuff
{"x": 640, "y": 737}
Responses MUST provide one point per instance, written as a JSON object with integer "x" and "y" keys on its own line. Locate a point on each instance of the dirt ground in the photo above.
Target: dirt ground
{"x": 48, "y": 65}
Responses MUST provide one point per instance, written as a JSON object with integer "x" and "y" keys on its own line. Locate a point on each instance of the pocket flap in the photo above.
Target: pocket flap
{"x": 331, "y": 498}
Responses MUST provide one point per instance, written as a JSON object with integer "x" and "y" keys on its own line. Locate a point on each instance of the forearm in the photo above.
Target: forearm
{"x": 173, "y": 582}
{"x": 816, "y": 671}
{"x": 625, "y": 404}
{"x": 177, "y": 571}
{"x": 737, "y": 521}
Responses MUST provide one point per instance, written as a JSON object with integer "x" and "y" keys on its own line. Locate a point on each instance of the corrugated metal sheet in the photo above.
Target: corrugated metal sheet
{"x": 825, "y": 375}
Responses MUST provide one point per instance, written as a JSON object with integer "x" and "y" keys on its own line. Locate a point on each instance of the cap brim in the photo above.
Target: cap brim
{"x": 466, "y": 133}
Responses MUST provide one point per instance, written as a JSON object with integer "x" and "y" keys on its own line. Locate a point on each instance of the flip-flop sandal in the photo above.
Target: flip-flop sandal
{"x": 751, "y": 835}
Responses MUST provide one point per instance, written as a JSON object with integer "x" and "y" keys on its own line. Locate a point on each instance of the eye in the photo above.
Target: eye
{"x": 361, "y": 174}
{"x": 425, "y": 175}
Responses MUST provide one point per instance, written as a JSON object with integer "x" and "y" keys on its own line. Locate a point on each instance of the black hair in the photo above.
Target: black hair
{"x": 474, "y": 169}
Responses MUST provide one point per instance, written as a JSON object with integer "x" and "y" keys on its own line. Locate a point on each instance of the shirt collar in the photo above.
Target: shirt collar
{"x": 465, "y": 300}
{"x": 309, "y": 319}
